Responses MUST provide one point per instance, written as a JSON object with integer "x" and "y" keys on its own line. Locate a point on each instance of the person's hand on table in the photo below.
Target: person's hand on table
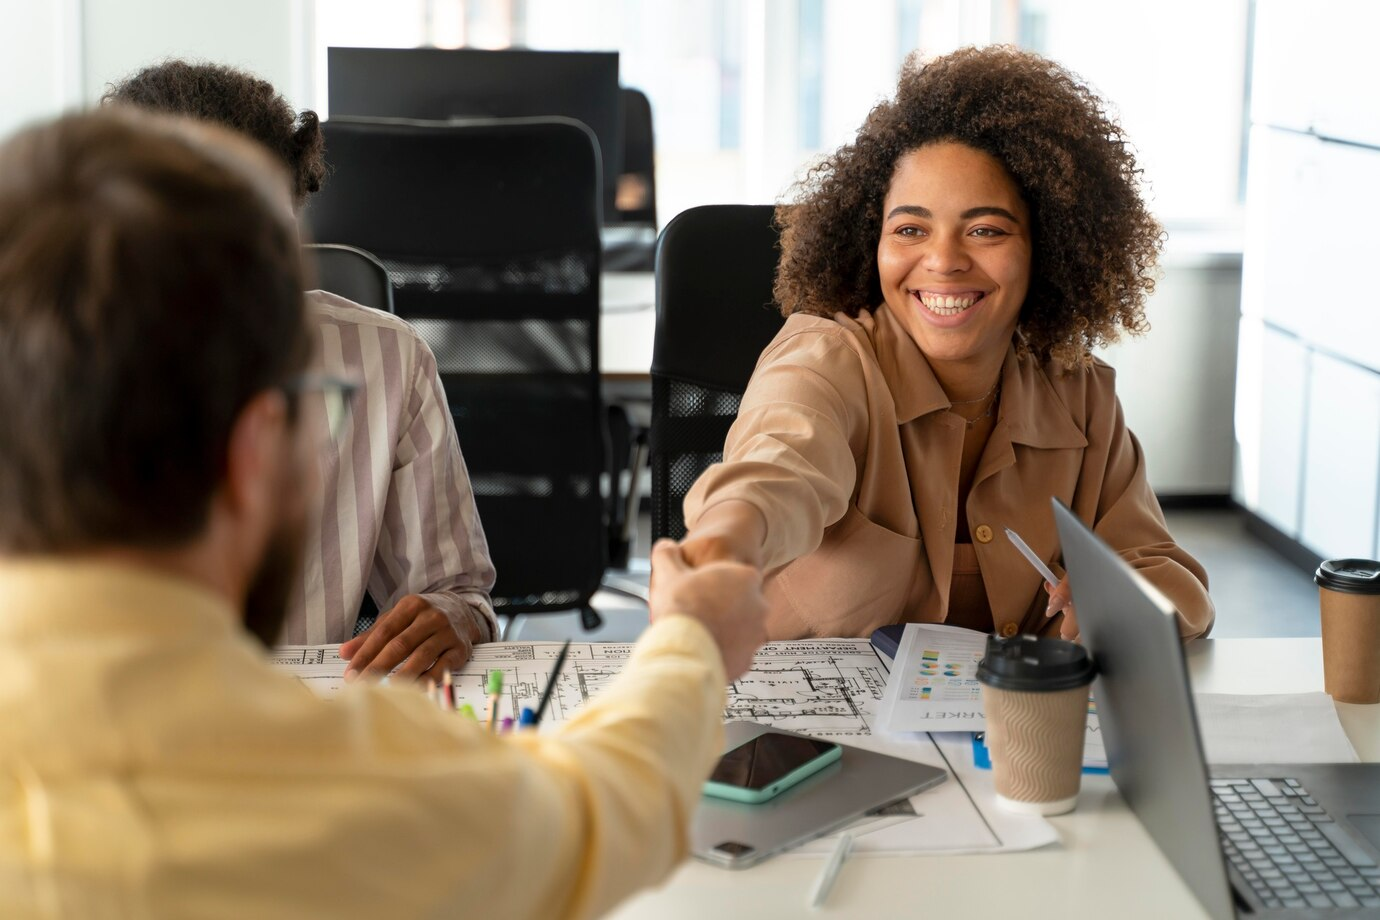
{"x": 1061, "y": 598}
{"x": 726, "y": 597}
{"x": 415, "y": 635}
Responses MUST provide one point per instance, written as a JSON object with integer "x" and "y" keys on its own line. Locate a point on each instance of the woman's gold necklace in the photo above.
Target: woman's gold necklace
{"x": 994, "y": 394}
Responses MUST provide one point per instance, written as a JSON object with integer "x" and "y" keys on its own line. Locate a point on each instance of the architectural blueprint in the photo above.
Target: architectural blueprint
{"x": 319, "y": 666}
{"x": 821, "y": 687}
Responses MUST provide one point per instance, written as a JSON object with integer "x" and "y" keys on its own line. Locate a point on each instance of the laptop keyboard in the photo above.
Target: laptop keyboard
{"x": 1288, "y": 849}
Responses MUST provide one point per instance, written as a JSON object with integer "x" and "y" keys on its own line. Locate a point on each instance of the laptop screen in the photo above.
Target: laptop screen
{"x": 1146, "y": 709}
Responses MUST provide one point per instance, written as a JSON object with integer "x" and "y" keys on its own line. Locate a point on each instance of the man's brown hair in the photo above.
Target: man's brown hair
{"x": 149, "y": 288}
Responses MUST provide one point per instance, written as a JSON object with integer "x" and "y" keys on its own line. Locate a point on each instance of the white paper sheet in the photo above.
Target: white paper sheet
{"x": 933, "y": 684}
{"x": 960, "y": 815}
{"x": 1272, "y": 728}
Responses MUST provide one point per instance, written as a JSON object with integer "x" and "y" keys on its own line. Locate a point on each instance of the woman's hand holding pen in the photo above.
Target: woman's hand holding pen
{"x": 1060, "y": 595}
{"x": 1061, "y": 599}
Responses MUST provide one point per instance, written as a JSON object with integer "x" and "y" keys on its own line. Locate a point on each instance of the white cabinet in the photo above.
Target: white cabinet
{"x": 1309, "y": 206}
{"x": 1308, "y": 382}
{"x": 1347, "y": 109}
{"x": 1283, "y": 184}
{"x": 1272, "y": 385}
{"x": 1315, "y": 68}
{"x": 1288, "y": 44}
{"x": 1341, "y": 459}
{"x": 1343, "y": 314}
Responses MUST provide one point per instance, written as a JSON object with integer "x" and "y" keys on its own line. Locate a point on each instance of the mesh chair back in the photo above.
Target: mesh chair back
{"x": 353, "y": 274}
{"x": 489, "y": 231}
{"x": 714, "y": 315}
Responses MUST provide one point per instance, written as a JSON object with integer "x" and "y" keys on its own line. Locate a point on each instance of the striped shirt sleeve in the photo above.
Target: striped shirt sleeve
{"x": 431, "y": 542}
{"x": 398, "y": 514}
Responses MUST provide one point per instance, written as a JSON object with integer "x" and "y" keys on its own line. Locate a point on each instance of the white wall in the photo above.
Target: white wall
{"x": 1177, "y": 384}
{"x": 40, "y": 73}
{"x": 1173, "y": 72}
{"x": 270, "y": 38}
{"x": 62, "y": 54}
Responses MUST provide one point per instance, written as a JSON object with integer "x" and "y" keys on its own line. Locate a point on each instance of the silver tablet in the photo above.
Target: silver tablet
{"x": 736, "y": 835}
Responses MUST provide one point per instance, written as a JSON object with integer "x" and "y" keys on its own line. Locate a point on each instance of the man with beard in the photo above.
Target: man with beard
{"x": 156, "y": 461}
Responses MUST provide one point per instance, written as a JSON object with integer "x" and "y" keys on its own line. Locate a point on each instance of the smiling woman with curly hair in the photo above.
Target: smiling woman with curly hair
{"x": 945, "y": 277}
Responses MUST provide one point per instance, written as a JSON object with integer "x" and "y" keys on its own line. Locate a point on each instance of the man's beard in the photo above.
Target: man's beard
{"x": 265, "y": 604}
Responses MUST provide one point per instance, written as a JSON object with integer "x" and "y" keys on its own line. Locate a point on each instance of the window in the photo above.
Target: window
{"x": 746, "y": 94}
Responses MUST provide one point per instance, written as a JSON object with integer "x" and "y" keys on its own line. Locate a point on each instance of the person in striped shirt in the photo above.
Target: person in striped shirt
{"x": 398, "y": 516}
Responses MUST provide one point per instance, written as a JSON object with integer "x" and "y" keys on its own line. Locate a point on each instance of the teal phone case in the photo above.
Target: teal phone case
{"x": 756, "y": 796}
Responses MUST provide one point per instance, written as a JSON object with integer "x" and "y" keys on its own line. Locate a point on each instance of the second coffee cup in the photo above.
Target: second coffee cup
{"x": 1035, "y": 698}
{"x": 1349, "y": 600}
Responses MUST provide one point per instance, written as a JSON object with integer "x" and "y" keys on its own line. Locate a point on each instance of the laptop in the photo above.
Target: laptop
{"x": 1277, "y": 840}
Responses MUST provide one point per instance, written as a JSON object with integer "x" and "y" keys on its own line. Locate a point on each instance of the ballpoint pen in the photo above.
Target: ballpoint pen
{"x": 551, "y": 683}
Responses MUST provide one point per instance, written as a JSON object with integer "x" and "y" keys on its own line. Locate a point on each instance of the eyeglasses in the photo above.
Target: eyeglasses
{"x": 337, "y": 396}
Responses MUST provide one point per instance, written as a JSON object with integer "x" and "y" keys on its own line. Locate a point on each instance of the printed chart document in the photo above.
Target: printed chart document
{"x": 824, "y": 687}
{"x": 933, "y": 686}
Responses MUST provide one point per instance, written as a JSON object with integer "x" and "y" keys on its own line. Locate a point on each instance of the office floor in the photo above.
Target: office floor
{"x": 1257, "y": 592}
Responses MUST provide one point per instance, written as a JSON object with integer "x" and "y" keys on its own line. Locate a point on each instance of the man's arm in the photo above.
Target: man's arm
{"x": 568, "y": 823}
{"x": 432, "y": 560}
{"x": 632, "y": 763}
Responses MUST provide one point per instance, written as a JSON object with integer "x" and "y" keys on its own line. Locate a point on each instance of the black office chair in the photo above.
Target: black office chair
{"x": 714, "y": 315}
{"x": 490, "y": 233}
{"x": 630, "y": 237}
{"x": 353, "y": 274}
{"x": 638, "y": 155}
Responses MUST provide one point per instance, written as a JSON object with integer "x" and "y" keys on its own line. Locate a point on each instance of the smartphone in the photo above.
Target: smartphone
{"x": 768, "y": 765}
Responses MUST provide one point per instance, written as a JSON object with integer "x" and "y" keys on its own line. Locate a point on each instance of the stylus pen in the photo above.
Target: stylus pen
{"x": 1030, "y": 556}
{"x": 551, "y": 684}
{"x": 830, "y": 872}
{"x": 1034, "y": 560}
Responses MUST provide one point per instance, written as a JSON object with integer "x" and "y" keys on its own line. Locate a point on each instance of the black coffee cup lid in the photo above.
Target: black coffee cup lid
{"x": 1035, "y": 664}
{"x": 1349, "y": 576}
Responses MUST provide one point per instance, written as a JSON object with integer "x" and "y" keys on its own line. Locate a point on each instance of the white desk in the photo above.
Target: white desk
{"x": 627, "y": 325}
{"x": 1106, "y": 865}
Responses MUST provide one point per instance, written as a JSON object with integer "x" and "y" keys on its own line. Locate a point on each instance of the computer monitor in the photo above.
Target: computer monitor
{"x": 444, "y": 83}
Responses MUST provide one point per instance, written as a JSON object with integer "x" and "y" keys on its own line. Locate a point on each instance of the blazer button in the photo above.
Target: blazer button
{"x": 1008, "y": 630}
{"x": 983, "y": 533}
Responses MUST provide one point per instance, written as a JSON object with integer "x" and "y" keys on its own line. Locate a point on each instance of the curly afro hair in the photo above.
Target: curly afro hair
{"x": 1095, "y": 244}
{"x": 236, "y": 100}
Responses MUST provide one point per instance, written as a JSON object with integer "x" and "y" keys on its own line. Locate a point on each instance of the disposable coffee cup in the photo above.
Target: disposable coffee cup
{"x": 1035, "y": 697}
{"x": 1349, "y": 600}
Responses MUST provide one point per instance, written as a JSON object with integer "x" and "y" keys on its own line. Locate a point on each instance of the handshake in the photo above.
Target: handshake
{"x": 724, "y": 596}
